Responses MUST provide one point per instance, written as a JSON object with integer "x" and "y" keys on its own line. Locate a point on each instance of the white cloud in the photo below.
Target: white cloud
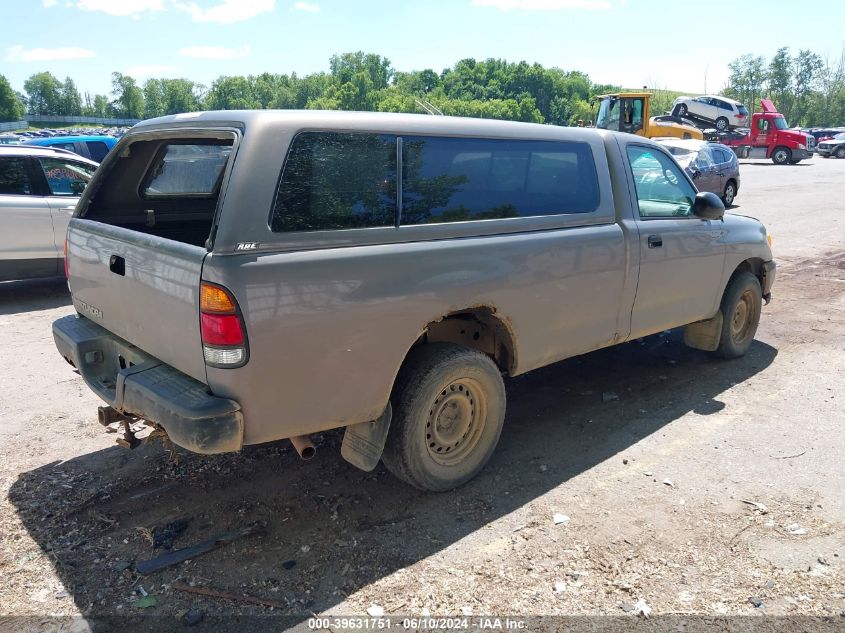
{"x": 307, "y": 6}
{"x": 121, "y": 7}
{"x": 543, "y": 5}
{"x": 21, "y": 54}
{"x": 150, "y": 70}
{"x": 49, "y": 3}
{"x": 228, "y": 11}
{"x": 214, "y": 52}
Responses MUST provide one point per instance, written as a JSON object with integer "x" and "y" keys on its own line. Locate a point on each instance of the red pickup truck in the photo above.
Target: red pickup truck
{"x": 770, "y": 137}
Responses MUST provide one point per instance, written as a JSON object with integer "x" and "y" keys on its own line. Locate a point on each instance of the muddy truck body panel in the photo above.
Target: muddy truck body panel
{"x": 288, "y": 264}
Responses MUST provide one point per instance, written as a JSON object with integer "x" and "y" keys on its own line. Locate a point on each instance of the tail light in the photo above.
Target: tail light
{"x": 224, "y": 341}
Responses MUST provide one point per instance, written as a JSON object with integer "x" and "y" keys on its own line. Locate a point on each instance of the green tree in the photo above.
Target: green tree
{"x": 43, "y": 92}
{"x": 747, "y": 78}
{"x": 153, "y": 98}
{"x": 11, "y": 108}
{"x": 102, "y": 107}
{"x": 807, "y": 65}
{"x": 231, "y": 93}
{"x": 128, "y": 97}
{"x": 70, "y": 101}
{"x": 779, "y": 84}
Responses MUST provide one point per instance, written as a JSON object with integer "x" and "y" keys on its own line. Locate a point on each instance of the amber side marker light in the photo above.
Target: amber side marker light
{"x": 223, "y": 334}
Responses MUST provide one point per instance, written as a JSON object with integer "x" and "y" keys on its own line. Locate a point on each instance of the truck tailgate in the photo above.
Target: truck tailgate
{"x": 144, "y": 288}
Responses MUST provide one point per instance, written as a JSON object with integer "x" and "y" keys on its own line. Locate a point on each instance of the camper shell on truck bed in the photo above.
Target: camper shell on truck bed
{"x": 244, "y": 277}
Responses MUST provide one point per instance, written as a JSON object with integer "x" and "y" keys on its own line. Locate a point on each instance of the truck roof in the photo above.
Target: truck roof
{"x": 626, "y": 95}
{"x": 387, "y": 122}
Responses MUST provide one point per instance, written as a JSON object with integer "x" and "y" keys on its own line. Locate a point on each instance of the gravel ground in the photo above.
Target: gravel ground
{"x": 703, "y": 487}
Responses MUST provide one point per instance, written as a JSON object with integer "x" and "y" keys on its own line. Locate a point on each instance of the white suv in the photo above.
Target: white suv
{"x": 724, "y": 113}
{"x": 39, "y": 188}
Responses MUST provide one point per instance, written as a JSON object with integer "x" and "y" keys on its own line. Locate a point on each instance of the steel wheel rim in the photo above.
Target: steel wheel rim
{"x": 780, "y": 156}
{"x": 741, "y": 320}
{"x": 455, "y": 422}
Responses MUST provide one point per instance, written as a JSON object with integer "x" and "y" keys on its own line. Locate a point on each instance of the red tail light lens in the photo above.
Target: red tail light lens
{"x": 223, "y": 335}
{"x": 222, "y": 329}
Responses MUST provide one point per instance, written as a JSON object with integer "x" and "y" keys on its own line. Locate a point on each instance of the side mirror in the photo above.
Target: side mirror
{"x": 708, "y": 206}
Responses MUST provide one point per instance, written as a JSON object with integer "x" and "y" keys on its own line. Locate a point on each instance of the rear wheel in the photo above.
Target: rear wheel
{"x": 721, "y": 124}
{"x": 741, "y": 307}
{"x": 729, "y": 194}
{"x": 781, "y": 156}
{"x": 448, "y": 411}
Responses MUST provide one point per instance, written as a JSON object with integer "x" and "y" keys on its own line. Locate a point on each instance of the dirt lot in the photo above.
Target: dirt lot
{"x": 694, "y": 485}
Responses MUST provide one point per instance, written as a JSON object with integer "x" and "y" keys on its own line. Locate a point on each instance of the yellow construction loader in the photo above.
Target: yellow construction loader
{"x": 628, "y": 112}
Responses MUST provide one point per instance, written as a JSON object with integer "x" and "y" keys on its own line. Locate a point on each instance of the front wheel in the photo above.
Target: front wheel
{"x": 840, "y": 152}
{"x": 729, "y": 194}
{"x": 721, "y": 124}
{"x": 448, "y": 412}
{"x": 740, "y": 308}
{"x": 781, "y": 156}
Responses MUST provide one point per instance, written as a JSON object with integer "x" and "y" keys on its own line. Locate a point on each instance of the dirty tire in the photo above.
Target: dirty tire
{"x": 448, "y": 410}
{"x": 840, "y": 152}
{"x": 721, "y": 124}
{"x": 781, "y": 156}
{"x": 729, "y": 194}
{"x": 741, "y": 306}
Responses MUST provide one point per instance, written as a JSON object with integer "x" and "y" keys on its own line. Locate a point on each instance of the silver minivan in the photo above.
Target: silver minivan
{"x": 241, "y": 277}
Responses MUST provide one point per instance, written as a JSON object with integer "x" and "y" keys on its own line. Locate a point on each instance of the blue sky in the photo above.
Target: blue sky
{"x": 659, "y": 43}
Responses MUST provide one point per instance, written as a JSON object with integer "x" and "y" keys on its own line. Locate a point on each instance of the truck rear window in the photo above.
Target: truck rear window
{"x": 187, "y": 169}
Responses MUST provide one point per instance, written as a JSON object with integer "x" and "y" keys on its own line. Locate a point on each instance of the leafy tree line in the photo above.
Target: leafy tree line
{"x": 806, "y": 88}
{"x": 356, "y": 81}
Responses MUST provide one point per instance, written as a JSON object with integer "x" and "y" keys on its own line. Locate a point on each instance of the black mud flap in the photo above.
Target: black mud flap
{"x": 363, "y": 443}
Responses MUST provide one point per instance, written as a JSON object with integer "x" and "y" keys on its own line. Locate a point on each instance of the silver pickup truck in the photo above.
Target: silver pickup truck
{"x": 245, "y": 277}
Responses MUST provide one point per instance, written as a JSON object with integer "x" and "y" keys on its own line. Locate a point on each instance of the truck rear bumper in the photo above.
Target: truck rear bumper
{"x": 138, "y": 384}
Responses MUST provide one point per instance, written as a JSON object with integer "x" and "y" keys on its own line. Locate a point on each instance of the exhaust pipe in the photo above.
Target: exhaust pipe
{"x": 109, "y": 415}
{"x": 303, "y": 446}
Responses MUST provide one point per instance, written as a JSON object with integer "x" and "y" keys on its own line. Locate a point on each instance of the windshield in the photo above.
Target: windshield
{"x": 780, "y": 123}
{"x": 608, "y": 116}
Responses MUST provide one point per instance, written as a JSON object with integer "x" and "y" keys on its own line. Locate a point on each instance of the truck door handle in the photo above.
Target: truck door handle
{"x": 655, "y": 241}
{"x": 117, "y": 265}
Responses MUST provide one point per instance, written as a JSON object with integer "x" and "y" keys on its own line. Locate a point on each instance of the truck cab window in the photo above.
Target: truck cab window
{"x": 632, "y": 121}
{"x": 608, "y": 116}
{"x": 662, "y": 189}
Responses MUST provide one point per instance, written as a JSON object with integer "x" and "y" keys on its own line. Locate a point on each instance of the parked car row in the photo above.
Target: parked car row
{"x": 834, "y": 146}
